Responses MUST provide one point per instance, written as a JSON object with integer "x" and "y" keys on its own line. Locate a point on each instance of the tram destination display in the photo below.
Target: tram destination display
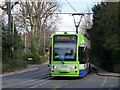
{"x": 65, "y": 38}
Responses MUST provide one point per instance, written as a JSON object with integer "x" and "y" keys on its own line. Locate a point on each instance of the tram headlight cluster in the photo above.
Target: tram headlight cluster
{"x": 54, "y": 67}
{"x": 74, "y": 67}
{"x": 70, "y": 67}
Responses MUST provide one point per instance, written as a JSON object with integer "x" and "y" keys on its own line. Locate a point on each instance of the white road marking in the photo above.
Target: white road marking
{"x": 29, "y": 69}
{"x": 37, "y": 72}
{"x": 45, "y": 82}
{"x": 104, "y": 82}
{"x": 32, "y": 80}
{"x": 19, "y": 72}
{"x": 24, "y": 71}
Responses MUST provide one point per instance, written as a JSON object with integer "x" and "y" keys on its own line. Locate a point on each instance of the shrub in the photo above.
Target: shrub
{"x": 12, "y": 64}
{"x": 35, "y": 58}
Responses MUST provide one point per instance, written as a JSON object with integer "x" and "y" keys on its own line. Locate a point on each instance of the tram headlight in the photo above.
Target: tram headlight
{"x": 74, "y": 67}
{"x": 54, "y": 67}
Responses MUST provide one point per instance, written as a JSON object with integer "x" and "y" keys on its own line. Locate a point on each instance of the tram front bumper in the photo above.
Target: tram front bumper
{"x": 64, "y": 72}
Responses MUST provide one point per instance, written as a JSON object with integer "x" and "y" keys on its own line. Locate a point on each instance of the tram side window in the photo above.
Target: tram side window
{"x": 82, "y": 54}
{"x": 50, "y": 54}
{"x": 87, "y": 54}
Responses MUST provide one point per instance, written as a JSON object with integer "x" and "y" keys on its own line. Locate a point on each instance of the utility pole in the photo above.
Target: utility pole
{"x": 9, "y": 25}
{"x": 9, "y": 16}
{"x": 44, "y": 41}
{"x": 25, "y": 41}
{"x": 12, "y": 30}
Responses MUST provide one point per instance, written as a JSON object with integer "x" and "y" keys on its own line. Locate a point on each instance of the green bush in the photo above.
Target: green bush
{"x": 44, "y": 58}
{"x": 12, "y": 64}
{"x": 35, "y": 58}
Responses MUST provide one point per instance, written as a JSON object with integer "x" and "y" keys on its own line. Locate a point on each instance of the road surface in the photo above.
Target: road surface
{"x": 37, "y": 76}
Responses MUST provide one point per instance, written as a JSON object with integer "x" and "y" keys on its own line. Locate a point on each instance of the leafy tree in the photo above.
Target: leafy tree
{"x": 18, "y": 44}
{"x": 14, "y": 60}
{"x": 34, "y": 48}
{"x": 104, "y": 34}
{"x": 11, "y": 41}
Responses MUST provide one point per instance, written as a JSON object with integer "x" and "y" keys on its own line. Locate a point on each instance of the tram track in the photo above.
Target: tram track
{"x": 41, "y": 82}
{"x": 63, "y": 81}
{"x": 36, "y": 72}
{"x": 28, "y": 83}
{"x": 40, "y": 78}
{"x": 26, "y": 79}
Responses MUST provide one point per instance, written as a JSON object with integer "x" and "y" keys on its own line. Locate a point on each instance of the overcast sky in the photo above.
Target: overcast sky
{"x": 67, "y": 23}
{"x": 80, "y": 6}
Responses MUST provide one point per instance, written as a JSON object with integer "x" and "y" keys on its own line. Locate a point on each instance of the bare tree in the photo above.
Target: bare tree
{"x": 39, "y": 17}
{"x": 86, "y": 23}
{"x": 35, "y": 18}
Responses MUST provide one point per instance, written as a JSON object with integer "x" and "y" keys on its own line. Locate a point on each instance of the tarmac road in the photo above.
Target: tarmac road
{"x": 37, "y": 76}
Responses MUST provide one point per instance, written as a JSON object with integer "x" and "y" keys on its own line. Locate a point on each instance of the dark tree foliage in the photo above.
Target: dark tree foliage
{"x": 12, "y": 48}
{"x": 10, "y": 40}
{"x": 105, "y": 34}
{"x": 18, "y": 45}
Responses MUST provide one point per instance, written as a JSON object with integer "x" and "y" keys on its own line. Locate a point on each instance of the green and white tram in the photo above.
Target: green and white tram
{"x": 69, "y": 55}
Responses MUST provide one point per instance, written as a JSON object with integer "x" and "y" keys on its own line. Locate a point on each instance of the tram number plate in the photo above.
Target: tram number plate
{"x": 64, "y": 66}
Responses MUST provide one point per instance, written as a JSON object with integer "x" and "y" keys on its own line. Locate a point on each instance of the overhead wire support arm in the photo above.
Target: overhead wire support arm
{"x": 78, "y": 23}
{"x": 81, "y": 13}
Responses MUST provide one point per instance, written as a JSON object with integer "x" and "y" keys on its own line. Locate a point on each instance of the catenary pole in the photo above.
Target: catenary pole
{"x": 9, "y": 16}
{"x": 9, "y": 24}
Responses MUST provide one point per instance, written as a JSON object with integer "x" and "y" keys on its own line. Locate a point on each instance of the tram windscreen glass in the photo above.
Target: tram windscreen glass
{"x": 65, "y": 47}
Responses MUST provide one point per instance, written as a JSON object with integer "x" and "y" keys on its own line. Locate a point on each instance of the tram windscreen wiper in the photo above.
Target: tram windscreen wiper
{"x": 62, "y": 60}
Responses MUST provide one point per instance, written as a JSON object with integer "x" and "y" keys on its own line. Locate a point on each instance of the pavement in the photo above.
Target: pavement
{"x": 102, "y": 72}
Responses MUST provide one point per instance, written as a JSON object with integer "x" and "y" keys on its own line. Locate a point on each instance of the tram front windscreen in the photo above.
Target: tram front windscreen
{"x": 65, "y": 47}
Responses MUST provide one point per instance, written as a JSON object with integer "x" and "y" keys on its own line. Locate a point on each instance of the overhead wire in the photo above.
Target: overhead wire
{"x": 71, "y": 6}
{"x": 49, "y": 13}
